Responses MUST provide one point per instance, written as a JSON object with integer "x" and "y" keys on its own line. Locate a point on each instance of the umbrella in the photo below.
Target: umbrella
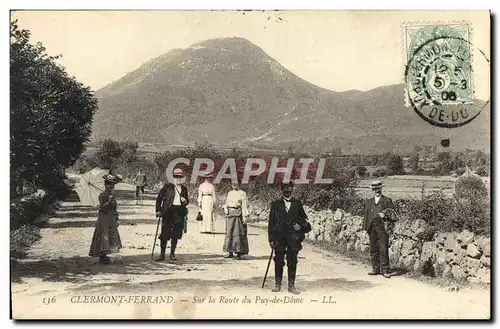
{"x": 90, "y": 186}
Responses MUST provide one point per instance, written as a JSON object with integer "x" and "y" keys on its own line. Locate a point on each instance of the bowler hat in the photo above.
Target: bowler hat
{"x": 286, "y": 185}
{"x": 377, "y": 184}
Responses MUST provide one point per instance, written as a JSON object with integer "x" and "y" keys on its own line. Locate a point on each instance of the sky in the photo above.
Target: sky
{"x": 340, "y": 51}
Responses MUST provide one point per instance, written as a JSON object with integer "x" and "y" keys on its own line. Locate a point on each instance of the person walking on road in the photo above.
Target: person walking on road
{"x": 287, "y": 227}
{"x": 106, "y": 239}
{"x": 140, "y": 184}
{"x": 206, "y": 204}
{"x": 171, "y": 206}
{"x": 236, "y": 210}
{"x": 375, "y": 215}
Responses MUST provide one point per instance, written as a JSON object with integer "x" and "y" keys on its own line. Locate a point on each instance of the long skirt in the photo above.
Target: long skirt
{"x": 106, "y": 239}
{"x": 172, "y": 223}
{"x": 207, "y": 211}
{"x": 236, "y": 235}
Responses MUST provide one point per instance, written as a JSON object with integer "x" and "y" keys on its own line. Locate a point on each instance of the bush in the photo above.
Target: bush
{"x": 85, "y": 163}
{"x": 22, "y": 238}
{"x": 460, "y": 171}
{"x": 471, "y": 187}
{"x": 433, "y": 208}
{"x": 362, "y": 171}
{"x": 395, "y": 165}
{"x": 379, "y": 172}
{"x": 481, "y": 171}
{"x": 30, "y": 209}
{"x": 444, "y": 214}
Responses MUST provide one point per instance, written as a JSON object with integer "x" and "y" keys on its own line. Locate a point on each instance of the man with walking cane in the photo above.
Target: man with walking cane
{"x": 379, "y": 213}
{"x": 171, "y": 207}
{"x": 286, "y": 230}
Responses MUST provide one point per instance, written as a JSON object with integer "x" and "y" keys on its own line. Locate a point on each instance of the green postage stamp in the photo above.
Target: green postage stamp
{"x": 439, "y": 74}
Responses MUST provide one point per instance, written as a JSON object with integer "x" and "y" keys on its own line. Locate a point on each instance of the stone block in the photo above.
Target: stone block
{"x": 338, "y": 215}
{"x": 483, "y": 275}
{"x": 465, "y": 237}
{"x": 408, "y": 247}
{"x": 408, "y": 262}
{"x": 446, "y": 271}
{"x": 441, "y": 256}
{"x": 473, "y": 251}
{"x": 428, "y": 250}
{"x": 451, "y": 242}
{"x": 484, "y": 245}
{"x": 485, "y": 261}
{"x": 472, "y": 265}
{"x": 458, "y": 272}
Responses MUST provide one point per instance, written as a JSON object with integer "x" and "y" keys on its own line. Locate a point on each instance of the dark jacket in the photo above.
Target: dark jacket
{"x": 281, "y": 222}
{"x": 165, "y": 198}
{"x": 384, "y": 203}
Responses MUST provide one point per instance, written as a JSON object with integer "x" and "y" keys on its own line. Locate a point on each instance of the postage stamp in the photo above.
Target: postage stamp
{"x": 438, "y": 74}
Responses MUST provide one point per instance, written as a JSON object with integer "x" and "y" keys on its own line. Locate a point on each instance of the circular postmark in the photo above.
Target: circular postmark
{"x": 438, "y": 80}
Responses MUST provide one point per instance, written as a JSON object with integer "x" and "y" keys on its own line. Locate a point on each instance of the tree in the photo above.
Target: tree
{"x": 395, "y": 164}
{"x": 108, "y": 154}
{"x": 362, "y": 171}
{"x": 414, "y": 161}
{"x": 50, "y": 114}
{"x": 446, "y": 161}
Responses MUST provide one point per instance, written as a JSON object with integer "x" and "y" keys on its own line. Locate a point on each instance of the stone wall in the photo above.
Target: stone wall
{"x": 458, "y": 255}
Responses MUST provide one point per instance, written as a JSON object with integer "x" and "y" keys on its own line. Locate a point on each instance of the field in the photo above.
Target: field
{"x": 397, "y": 187}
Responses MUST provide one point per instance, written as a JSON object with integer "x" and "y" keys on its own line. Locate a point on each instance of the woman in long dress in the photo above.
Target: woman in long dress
{"x": 236, "y": 210}
{"x": 206, "y": 204}
{"x": 106, "y": 239}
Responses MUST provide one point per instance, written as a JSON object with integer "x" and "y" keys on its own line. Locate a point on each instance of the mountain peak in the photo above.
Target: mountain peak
{"x": 229, "y": 91}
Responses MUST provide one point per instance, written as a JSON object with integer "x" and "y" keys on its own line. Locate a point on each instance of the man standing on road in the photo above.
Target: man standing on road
{"x": 171, "y": 207}
{"x": 286, "y": 230}
{"x": 375, "y": 215}
{"x": 140, "y": 183}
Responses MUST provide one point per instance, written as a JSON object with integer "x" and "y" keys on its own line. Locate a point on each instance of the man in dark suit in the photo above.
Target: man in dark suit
{"x": 375, "y": 215}
{"x": 286, "y": 230}
{"x": 171, "y": 207}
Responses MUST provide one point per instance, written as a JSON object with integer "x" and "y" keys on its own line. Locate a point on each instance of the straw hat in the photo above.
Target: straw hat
{"x": 178, "y": 172}
{"x": 377, "y": 184}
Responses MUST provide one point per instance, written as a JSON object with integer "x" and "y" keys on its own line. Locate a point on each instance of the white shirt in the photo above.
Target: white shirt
{"x": 287, "y": 204}
{"x": 177, "y": 196}
{"x": 377, "y": 199}
{"x": 237, "y": 198}
{"x": 206, "y": 189}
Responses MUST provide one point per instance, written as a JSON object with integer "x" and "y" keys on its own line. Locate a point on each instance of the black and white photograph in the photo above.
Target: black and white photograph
{"x": 250, "y": 164}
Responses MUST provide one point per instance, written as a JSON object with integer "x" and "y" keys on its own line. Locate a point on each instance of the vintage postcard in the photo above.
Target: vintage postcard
{"x": 250, "y": 164}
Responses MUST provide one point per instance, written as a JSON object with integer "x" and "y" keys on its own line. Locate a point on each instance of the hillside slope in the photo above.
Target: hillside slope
{"x": 230, "y": 92}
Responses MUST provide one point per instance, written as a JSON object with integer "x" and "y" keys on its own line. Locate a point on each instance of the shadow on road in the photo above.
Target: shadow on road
{"x": 80, "y": 269}
{"x": 92, "y": 223}
{"x": 191, "y": 285}
{"x": 86, "y": 214}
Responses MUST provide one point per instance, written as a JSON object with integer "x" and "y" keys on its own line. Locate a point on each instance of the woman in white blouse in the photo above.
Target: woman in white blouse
{"x": 206, "y": 203}
{"x": 236, "y": 210}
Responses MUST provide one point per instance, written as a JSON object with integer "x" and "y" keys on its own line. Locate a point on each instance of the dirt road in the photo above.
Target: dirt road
{"x": 59, "y": 280}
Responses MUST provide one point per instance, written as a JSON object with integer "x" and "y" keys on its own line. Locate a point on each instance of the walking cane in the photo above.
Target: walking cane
{"x": 156, "y": 234}
{"x": 267, "y": 270}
